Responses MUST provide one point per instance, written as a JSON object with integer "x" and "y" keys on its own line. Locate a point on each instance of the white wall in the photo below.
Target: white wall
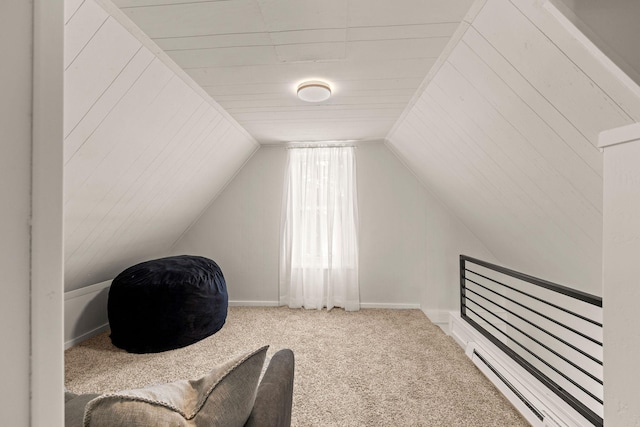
{"x": 392, "y": 207}
{"x": 240, "y": 230}
{"x": 31, "y": 390}
{"x": 447, "y": 238}
{"x": 16, "y": 37}
{"x": 409, "y": 243}
{"x": 47, "y": 253}
{"x": 146, "y": 149}
{"x": 621, "y": 270}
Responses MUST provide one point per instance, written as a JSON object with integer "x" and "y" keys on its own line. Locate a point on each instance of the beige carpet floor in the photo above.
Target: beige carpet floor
{"x": 367, "y": 368}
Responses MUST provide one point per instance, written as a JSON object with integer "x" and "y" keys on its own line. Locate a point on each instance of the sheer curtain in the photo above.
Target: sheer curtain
{"x": 319, "y": 248}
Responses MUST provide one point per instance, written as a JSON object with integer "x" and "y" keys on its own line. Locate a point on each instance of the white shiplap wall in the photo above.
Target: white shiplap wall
{"x": 146, "y": 149}
{"x": 505, "y": 133}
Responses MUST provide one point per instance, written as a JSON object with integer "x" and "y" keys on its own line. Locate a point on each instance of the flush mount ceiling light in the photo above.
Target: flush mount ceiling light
{"x": 314, "y": 91}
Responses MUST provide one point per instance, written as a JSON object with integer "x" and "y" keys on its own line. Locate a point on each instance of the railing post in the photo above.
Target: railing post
{"x": 621, "y": 245}
{"x": 463, "y": 311}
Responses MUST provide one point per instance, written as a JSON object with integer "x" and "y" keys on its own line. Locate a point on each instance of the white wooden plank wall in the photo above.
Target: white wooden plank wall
{"x": 145, "y": 152}
{"x": 505, "y": 134}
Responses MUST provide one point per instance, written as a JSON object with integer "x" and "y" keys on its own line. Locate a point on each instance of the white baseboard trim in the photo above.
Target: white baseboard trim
{"x": 91, "y": 289}
{"x": 254, "y": 303}
{"x": 554, "y": 410}
{"x": 86, "y": 336}
{"x": 438, "y": 317}
{"x": 85, "y": 313}
{"x": 363, "y": 305}
{"x": 392, "y": 306}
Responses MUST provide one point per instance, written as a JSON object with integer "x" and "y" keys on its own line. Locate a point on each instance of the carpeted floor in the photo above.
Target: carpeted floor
{"x": 366, "y": 368}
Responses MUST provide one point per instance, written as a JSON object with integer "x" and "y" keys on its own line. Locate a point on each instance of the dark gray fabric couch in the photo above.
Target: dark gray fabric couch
{"x": 272, "y": 406}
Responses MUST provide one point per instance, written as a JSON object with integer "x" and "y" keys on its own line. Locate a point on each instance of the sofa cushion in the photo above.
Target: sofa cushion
{"x": 224, "y": 397}
{"x": 275, "y": 393}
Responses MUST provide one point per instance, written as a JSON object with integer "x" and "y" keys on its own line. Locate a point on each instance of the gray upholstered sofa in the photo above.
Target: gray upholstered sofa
{"x": 228, "y": 390}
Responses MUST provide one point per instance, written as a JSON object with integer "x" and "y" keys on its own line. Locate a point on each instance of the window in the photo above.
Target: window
{"x": 319, "y": 251}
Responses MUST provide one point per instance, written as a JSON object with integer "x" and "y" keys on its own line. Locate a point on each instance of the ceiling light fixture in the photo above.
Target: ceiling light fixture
{"x": 314, "y": 91}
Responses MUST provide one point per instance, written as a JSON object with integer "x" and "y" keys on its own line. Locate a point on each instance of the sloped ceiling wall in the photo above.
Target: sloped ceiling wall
{"x": 505, "y": 130}
{"x": 146, "y": 149}
{"x": 612, "y": 25}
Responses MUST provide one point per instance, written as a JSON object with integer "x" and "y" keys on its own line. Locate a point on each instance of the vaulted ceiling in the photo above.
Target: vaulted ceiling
{"x": 495, "y": 105}
{"x": 250, "y": 55}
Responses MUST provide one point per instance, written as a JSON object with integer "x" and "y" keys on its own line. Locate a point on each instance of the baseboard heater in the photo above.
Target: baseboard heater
{"x": 540, "y": 343}
{"x": 530, "y": 397}
{"x": 507, "y": 383}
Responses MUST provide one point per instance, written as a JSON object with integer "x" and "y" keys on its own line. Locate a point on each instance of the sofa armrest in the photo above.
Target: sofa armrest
{"x": 274, "y": 398}
{"x": 74, "y": 408}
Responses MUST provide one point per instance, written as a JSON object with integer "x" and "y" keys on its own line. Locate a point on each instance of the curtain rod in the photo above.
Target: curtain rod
{"x": 293, "y": 147}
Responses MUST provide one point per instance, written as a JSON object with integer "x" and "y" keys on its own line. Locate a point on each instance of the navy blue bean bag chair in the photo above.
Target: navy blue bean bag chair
{"x": 166, "y": 304}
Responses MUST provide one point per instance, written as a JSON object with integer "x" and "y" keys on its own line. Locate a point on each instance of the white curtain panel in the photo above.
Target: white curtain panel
{"x": 319, "y": 247}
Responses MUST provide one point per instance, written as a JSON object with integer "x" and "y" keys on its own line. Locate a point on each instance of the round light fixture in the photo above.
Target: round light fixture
{"x": 314, "y": 91}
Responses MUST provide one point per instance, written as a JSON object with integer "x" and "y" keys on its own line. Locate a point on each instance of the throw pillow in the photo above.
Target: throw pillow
{"x": 223, "y": 398}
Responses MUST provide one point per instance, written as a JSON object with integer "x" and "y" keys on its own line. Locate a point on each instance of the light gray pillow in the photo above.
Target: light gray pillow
{"x": 222, "y": 398}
